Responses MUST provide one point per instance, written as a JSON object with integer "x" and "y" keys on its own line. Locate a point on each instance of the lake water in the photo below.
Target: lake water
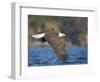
{"x": 45, "y": 56}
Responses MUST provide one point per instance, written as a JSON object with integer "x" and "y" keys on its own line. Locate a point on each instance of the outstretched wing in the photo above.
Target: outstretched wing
{"x": 38, "y": 36}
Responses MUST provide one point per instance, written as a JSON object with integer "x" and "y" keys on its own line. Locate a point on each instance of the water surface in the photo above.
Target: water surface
{"x": 45, "y": 56}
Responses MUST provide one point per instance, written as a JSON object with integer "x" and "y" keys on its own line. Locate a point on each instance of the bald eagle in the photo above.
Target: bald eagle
{"x": 58, "y": 50}
{"x": 55, "y": 39}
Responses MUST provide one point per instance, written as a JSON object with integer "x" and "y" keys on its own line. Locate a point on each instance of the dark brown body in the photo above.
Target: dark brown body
{"x": 56, "y": 42}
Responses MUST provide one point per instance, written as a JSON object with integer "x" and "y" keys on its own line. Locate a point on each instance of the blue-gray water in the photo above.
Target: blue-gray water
{"x": 44, "y": 56}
